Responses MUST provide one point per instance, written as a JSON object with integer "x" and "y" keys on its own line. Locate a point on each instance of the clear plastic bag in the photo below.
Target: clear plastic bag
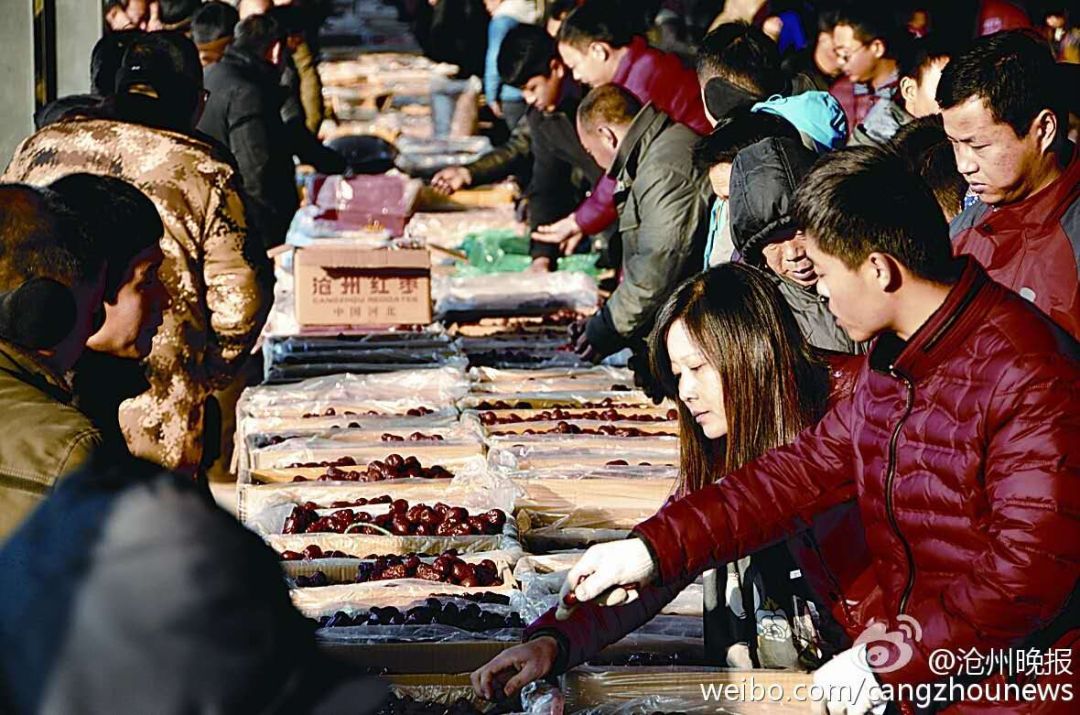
{"x": 297, "y": 453}
{"x": 434, "y": 633}
{"x": 313, "y": 426}
{"x": 312, "y": 224}
{"x": 264, "y": 510}
{"x": 394, "y": 393}
{"x": 515, "y": 293}
{"x": 521, "y": 455}
{"x": 591, "y": 379}
{"x": 449, "y": 229}
{"x": 311, "y": 601}
{"x": 577, "y": 399}
{"x": 457, "y": 460}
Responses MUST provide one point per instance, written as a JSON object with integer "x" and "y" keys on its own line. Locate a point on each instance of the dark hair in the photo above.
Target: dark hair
{"x": 105, "y": 60}
{"x": 120, "y": 218}
{"x": 925, "y": 145}
{"x": 290, "y": 18}
{"x": 737, "y": 131}
{"x": 864, "y": 200}
{"x": 1013, "y": 72}
{"x": 608, "y": 103}
{"x": 213, "y": 21}
{"x": 873, "y": 21}
{"x": 558, "y": 10}
{"x": 176, "y": 12}
{"x": 773, "y": 383}
{"x": 526, "y": 52}
{"x": 42, "y": 237}
{"x": 919, "y": 54}
{"x": 598, "y": 21}
{"x": 743, "y": 55}
{"x": 167, "y": 62}
{"x": 257, "y": 33}
{"x": 826, "y": 20}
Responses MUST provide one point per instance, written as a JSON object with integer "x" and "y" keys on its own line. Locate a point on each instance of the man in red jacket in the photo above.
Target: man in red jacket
{"x": 598, "y": 46}
{"x": 1005, "y": 115}
{"x": 958, "y": 441}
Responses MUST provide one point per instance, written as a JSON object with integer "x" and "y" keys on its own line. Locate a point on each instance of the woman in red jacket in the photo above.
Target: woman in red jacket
{"x": 729, "y": 351}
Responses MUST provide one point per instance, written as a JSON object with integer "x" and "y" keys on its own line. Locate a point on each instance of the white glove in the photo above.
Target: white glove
{"x": 612, "y": 572}
{"x": 849, "y": 686}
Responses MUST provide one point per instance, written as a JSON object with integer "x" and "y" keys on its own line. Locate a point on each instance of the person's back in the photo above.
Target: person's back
{"x": 161, "y": 603}
{"x": 1011, "y": 147}
{"x": 215, "y": 271}
{"x": 243, "y": 113}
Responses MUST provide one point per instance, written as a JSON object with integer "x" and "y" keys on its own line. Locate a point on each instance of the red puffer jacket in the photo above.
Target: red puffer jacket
{"x": 963, "y": 446}
{"x": 831, "y": 553}
{"x": 1032, "y": 246}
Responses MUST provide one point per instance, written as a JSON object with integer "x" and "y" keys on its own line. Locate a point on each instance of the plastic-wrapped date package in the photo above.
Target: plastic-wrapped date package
{"x": 311, "y": 600}
{"x": 448, "y": 229}
{"x": 631, "y": 401}
{"x": 460, "y": 298}
{"x": 384, "y": 393}
{"x": 471, "y": 487}
{"x": 607, "y": 497}
{"x": 600, "y": 378}
{"x": 529, "y": 454}
{"x": 350, "y": 455}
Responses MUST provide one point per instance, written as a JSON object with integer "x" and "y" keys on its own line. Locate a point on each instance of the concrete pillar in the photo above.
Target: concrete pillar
{"x": 78, "y": 27}
{"x": 17, "y": 71}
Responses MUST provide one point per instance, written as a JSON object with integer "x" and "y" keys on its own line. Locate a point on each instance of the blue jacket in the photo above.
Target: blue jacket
{"x": 494, "y": 89}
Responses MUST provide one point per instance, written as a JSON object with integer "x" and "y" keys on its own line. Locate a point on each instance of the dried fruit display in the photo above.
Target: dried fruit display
{"x": 448, "y": 567}
{"x": 399, "y": 519}
{"x": 393, "y": 467}
{"x": 434, "y": 612}
{"x": 558, "y": 413}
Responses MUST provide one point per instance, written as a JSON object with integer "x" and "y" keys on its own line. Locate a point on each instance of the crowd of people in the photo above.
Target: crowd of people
{"x": 847, "y": 246}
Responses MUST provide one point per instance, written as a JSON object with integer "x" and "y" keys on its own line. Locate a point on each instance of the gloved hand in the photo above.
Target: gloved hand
{"x": 849, "y": 686}
{"x": 643, "y": 376}
{"x": 581, "y": 343}
{"x": 612, "y": 573}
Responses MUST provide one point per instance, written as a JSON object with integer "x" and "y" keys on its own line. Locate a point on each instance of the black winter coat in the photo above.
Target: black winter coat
{"x": 243, "y": 112}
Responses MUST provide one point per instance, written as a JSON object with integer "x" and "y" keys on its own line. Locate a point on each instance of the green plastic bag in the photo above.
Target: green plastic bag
{"x": 504, "y": 251}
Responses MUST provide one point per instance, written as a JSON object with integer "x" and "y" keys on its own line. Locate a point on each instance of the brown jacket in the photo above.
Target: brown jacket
{"x": 216, "y": 273}
{"x": 44, "y": 437}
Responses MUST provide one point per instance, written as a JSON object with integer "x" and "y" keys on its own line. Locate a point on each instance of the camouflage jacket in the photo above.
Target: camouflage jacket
{"x": 215, "y": 270}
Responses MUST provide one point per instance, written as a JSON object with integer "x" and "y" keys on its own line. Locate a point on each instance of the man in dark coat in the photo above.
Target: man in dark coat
{"x": 243, "y": 112}
{"x": 764, "y": 177}
{"x": 663, "y": 206}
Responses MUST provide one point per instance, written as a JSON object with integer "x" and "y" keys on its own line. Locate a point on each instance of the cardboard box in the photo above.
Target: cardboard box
{"x": 372, "y": 287}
